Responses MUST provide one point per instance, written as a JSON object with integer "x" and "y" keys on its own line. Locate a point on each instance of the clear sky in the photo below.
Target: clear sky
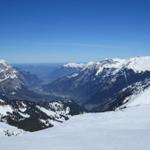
{"x": 73, "y": 30}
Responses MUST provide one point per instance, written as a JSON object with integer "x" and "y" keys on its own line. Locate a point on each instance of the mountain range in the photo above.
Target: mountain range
{"x": 27, "y": 100}
{"x": 97, "y": 85}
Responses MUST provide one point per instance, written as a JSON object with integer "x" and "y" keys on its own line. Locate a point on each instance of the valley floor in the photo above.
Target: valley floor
{"x": 127, "y": 129}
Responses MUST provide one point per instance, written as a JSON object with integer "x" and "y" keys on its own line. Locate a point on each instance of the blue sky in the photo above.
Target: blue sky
{"x": 73, "y": 30}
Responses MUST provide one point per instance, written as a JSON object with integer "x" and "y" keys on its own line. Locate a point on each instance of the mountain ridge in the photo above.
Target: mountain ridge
{"x": 97, "y": 82}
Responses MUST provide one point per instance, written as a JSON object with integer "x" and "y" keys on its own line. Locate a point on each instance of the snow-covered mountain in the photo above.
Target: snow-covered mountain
{"x": 138, "y": 64}
{"x": 9, "y": 76}
{"x": 26, "y": 109}
{"x": 16, "y": 84}
{"x": 120, "y": 99}
{"x": 119, "y": 85}
{"x": 6, "y": 71}
{"x": 33, "y": 116}
{"x": 101, "y": 86}
{"x": 12, "y": 82}
{"x": 97, "y": 83}
{"x": 139, "y": 97}
{"x": 74, "y": 65}
{"x": 127, "y": 129}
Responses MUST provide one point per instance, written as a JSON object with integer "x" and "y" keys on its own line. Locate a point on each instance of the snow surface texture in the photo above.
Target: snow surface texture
{"x": 142, "y": 98}
{"x": 7, "y": 130}
{"x": 127, "y": 129}
{"x": 137, "y": 64}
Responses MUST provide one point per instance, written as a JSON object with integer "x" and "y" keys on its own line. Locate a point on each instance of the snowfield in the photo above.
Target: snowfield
{"x": 7, "y": 130}
{"x": 127, "y": 129}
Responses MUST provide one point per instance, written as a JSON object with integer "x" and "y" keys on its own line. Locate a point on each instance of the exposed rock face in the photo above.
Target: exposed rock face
{"x": 31, "y": 116}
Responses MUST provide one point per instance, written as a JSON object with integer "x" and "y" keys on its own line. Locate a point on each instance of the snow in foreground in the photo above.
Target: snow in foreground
{"x": 128, "y": 129}
{"x": 7, "y": 130}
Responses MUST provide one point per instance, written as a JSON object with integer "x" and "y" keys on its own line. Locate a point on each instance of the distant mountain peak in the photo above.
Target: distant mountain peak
{"x": 2, "y": 61}
{"x": 137, "y": 64}
{"x": 6, "y": 71}
{"x": 74, "y": 65}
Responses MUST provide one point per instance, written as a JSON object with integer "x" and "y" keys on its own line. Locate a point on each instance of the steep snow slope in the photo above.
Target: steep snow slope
{"x": 138, "y": 99}
{"x": 139, "y": 64}
{"x": 127, "y": 129}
